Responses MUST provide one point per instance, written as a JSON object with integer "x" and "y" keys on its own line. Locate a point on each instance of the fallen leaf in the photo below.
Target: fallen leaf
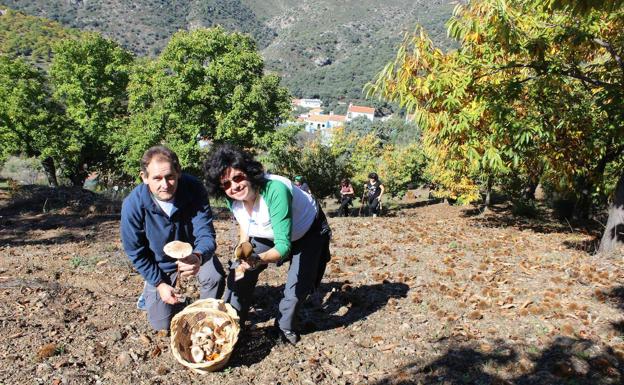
{"x": 155, "y": 352}
{"x": 46, "y": 351}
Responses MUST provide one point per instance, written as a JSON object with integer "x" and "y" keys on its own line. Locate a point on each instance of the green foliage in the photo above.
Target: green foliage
{"x": 28, "y": 118}
{"x": 206, "y": 84}
{"x": 401, "y": 167}
{"x": 30, "y": 37}
{"x": 90, "y": 76}
{"x": 292, "y": 153}
{"x": 524, "y": 208}
{"x": 362, "y": 152}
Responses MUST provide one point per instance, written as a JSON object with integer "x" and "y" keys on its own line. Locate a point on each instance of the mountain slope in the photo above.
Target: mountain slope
{"x": 319, "y": 47}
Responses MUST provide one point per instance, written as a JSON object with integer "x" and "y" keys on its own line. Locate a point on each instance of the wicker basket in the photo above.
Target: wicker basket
{"x": 199, "y": 314}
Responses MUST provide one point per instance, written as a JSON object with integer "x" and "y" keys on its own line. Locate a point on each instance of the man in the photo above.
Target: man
{"x": 169, "y": 206}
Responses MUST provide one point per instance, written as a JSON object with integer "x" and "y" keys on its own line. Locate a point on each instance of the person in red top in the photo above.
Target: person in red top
{"x": 346, "y": 196}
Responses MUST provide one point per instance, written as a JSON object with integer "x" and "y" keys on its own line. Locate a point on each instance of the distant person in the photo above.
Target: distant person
{"x": 374, "y": 190}
{"x": 299, "y": 182}
{"x": 282, "y": 223}
{"x": 169, "y": 206}
{"x": 347, "y": 194}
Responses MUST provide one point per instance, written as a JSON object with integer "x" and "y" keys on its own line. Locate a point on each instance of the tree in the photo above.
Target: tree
{"x": 207, "y": 84}
{"x": 293, "y": 153}
{"x": 477, "y": 105}
{"x": 28, "y": 117}
{"x": 90, "y": 76}
{"x": 400, "y": 167}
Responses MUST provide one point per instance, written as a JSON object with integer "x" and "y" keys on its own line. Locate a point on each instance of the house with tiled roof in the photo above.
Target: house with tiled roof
{"x": 356, "y": 111}
{"x": 321, "y": 123}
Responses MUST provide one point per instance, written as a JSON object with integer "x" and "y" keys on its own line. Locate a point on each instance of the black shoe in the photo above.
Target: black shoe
{"x": 289, "y": 336}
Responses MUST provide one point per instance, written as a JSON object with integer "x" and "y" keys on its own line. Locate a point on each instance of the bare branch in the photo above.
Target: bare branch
{"x": 609, "y": 47}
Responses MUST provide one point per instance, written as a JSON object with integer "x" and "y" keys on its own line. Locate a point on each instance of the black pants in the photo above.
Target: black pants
{"x": 308, "y": 259}
{"x": 343, "y": 211}
{"x": 373, "y": 205}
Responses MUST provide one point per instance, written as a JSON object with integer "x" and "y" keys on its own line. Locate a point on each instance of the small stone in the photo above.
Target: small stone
{"x": 563, "y": 369}
{"x": 134, "y": 356}
{"x": 342, "y": 311}
{"x": 335, "y": 372}
{"x": 62, "y": 362}
{"x": 525, "y": 364}
{"x": 124, "y": 359}
{"x": 116, "y": 336}
{"x": 145, "y": 339}
{"x": 43, "y": 369}
{"x": 162, "y": 370}
{"x": 580, "y": 366}
{"x": 593, "y": 351}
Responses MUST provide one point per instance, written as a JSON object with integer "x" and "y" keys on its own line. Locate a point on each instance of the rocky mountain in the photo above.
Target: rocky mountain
{"x": 320, "y": 48}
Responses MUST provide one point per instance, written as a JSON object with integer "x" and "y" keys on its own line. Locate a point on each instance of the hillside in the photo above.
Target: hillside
{"x": 30, "y": 37}
{"x": 459, "y": 299}
{"x": 320, "y": 48}
{"x": 324, "y": 49}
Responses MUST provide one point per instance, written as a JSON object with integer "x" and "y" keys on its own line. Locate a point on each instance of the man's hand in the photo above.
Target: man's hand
{"x": 167, "y": 294}
{"x": 189, "y": 266}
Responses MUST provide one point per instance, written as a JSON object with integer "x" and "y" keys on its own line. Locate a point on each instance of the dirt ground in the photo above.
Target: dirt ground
{"x": 428, "y": 294}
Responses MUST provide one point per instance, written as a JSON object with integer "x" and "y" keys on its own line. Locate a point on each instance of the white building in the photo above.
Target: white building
{"x": 307, "y": 103}
{"x": 355, "y": 111}
{"x": 321, "y": 123}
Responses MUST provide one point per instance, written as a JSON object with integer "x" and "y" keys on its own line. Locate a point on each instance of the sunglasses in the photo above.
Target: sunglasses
{"x": 226, "y": 184}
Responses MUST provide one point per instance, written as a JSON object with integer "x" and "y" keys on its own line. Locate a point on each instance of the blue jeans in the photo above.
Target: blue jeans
{"x": 211, "y": 285}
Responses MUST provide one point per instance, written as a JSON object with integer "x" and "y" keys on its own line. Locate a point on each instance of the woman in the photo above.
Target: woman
{"x": 282, "y": 223}
{"x": 374, "y": 191}
{"x": 346, "y": 196}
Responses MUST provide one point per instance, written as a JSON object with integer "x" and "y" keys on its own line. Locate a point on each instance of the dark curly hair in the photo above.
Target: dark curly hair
{"x": 228, "y": 155}
{"x": 373, "y": 175}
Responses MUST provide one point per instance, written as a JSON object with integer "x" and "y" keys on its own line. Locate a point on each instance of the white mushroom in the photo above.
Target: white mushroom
{"x": 197, "y": 353}
{"x": 178, "y": 249}
{"x": 208, "y": 347}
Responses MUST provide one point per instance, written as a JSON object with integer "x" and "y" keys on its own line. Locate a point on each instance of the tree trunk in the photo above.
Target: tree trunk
{"x": 582, "y": 206}
{"x": 613, "y": 236}
{"x": 78, "y": 177}
{"x": 488, "y": 192}
{"x": 50, "y": 170}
